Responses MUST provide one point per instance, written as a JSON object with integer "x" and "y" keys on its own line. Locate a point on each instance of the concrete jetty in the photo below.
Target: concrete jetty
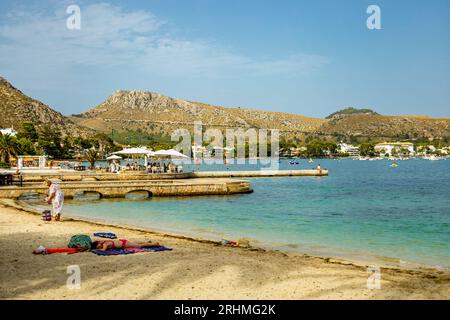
{"x": 120, "y": 189}
{"x": 260, "y": 173}
{"x": 66, "y": 175}
{"x": 113, "y": 185}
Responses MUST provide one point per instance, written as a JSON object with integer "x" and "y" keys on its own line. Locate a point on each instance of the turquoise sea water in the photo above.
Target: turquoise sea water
{"x": 364, "y": 210}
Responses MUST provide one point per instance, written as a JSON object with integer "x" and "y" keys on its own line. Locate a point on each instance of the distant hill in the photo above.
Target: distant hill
{"x": 17, "y": 108}
{"x": 157, "y": 114}
{"x": 154, "y": 113}
{"x": 160, "y": 115}
{"x": 350, "y": 111}
{"x": 380, "y": 127}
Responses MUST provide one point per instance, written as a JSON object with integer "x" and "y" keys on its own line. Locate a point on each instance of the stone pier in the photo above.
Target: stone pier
{"x": 119, "y": 189}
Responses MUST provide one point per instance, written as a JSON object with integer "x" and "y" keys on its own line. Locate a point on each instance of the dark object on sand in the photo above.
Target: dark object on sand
{"x": 80, "y": 241}
{"x": 120, "y": 251}
{"x": 47, "y": 215}
{"x": 108, "y": 235}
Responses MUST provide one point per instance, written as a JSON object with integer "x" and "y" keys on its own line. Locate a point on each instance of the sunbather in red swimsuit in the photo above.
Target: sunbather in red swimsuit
{"x": 113, "y": 245}
{"x": 105, "y": 244}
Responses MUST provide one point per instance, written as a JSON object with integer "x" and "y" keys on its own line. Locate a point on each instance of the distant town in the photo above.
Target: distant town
{"x": 27, "y": 148}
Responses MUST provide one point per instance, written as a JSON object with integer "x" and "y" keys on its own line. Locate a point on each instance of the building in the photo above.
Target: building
{"x": 295, "y": 152}
{"x": 392, "y": 148}
{"x": 198, "y": 151}
{"x": 9, "y": 131}
{"x": 351, "y": 150}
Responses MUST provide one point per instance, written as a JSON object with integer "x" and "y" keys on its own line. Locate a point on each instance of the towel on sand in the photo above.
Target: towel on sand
{"x": 108, "y": 235}
{"x": 43, "y": 250}
{"x": 117, "y": 251}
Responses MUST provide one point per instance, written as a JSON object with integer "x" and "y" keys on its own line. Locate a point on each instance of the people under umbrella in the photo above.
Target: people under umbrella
{"x": 156, "y": 167}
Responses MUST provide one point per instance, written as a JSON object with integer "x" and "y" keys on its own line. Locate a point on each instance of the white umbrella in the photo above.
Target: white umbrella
{"x": 114, "y": 157}
{"x": 137, "y": 151}
{"x": 169, "y": 153}
{"x": 140, "y": 150}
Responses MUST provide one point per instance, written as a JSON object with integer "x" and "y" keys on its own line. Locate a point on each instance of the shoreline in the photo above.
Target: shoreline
{"x": 262, "y": 247}
{"x": 194, "y": 269}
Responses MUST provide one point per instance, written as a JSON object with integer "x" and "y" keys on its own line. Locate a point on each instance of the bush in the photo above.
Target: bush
{"x": 4, "y": 165}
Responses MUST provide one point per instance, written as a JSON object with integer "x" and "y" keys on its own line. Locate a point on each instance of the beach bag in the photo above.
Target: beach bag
{"x": 80, "y": 241}
{"x": 47, "y": 215}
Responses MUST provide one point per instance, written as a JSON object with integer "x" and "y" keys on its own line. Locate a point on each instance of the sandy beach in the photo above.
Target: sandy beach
{"x": 193, "y": 270}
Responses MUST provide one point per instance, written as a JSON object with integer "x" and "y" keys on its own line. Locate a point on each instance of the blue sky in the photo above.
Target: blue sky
{"x": 305, "y": 57}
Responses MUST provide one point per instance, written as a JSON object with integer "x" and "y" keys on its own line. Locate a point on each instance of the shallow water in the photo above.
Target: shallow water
{"x": 364, "y": 210}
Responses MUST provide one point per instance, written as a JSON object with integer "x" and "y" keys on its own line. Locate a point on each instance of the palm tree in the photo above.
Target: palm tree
{"x": 92, "y": 156}
{"x": 8, "y": 148}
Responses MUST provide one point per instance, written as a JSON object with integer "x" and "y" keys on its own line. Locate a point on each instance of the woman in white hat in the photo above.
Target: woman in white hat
{"x": 55, "y": 198}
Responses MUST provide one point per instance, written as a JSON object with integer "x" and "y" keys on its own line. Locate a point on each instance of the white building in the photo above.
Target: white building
{"x": 394, "y": 147}
{"x": 198, "y": 151}
{"x": 9, "y": 131}
{"x": 293, "y": 151}
{"x": 351, "y": 150}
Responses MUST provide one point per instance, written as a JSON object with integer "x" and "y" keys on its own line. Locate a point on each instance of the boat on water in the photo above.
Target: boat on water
{"x": 394, "y": 165}
{"x": 311, "y": 160}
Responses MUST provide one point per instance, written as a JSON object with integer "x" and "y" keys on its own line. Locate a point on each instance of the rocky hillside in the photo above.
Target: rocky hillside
{"x": 16, "y": 108}
{"x": 161, "y": 115}
{"x": 387, "y": 127}
{"x": 155, "y": 113}
{"x": 350, "y": 111}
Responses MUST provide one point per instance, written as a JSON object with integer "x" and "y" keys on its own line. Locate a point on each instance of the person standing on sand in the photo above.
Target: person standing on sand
{"x": 55, "y": 198}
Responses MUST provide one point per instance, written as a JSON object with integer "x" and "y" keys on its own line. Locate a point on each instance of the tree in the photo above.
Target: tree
{"x": 404, "y": 151}
{"x": 81, "y": 144}
{"x": 26, "y": 146}
{"x": 92, "y": 156}
{"x": 8, "y": 148}
{"x": 317, "y": 148}
{"x": 103, "y": 143}
{"x": 367, "y": 149}
{"x": 28, "y": 131}
{"x": 50, "y": 142}
{"x": 314, "y": 149}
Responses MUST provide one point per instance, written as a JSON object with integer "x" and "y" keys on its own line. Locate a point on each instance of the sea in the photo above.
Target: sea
{"x": 365, "y": 211}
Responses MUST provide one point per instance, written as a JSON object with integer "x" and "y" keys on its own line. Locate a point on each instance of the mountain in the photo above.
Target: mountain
{"x": 17, "y": 108}
{"x": 154, "y": 113}
{"x": 350, "y": 111}
{"x": 378, "y": 127}
{"x": 157, "y": 114}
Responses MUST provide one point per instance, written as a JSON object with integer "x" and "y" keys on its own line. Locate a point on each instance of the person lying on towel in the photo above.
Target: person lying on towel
{"x": 121, "y": 244}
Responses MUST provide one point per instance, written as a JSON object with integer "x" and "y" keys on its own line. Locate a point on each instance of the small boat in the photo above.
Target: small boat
{"x": 294, "y": 162}
{"x": 394, "y": 165}
{"x": 311, "y": 160}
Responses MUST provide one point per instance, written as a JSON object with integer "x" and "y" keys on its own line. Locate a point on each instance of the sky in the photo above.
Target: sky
{"x": 305, "y": 57}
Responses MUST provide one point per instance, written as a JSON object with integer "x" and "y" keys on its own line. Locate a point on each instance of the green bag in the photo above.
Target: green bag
{"x": 80, "y": 241}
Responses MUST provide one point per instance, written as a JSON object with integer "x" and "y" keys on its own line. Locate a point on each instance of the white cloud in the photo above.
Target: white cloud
{"x": 112, "y": 36}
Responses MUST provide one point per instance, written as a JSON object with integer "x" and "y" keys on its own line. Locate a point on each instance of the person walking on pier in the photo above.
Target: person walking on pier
{"x": 55, "y": 198}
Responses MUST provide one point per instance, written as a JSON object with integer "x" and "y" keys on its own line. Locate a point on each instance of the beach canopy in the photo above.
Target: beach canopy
{"x": 140, "y": 150}
{"x": 170, "y": 153}
{"x": 114, "y": 157}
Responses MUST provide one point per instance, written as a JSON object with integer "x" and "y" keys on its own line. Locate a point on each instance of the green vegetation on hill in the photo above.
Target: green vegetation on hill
{"x": 351, "y": 111}
{"x": 141, "y": 138}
